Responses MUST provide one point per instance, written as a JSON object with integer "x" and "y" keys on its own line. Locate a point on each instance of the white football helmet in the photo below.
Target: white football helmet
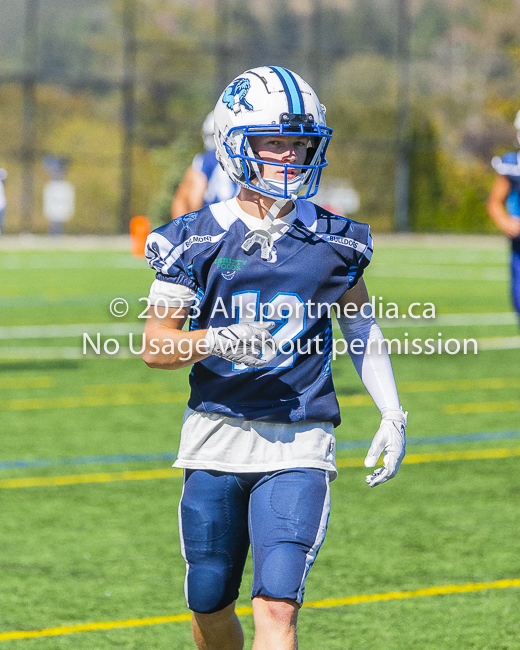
{"x": 517, "y": 126}
{"x": 208, "y": 128}
{"x": 265, "y": 101}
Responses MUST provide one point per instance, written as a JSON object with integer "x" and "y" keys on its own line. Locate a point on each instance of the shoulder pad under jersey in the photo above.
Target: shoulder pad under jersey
{"x": 171, "y": 248}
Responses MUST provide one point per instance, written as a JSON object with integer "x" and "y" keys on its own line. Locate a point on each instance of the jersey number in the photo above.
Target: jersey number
{"x": 287, "y": 310}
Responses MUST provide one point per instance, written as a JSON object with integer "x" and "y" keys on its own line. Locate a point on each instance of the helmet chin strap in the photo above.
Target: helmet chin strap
{"x": 262, "y": 236}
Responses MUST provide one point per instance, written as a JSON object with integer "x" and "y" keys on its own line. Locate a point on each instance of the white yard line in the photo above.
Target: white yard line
{"x": 121, "y": 329}
{"x": 499, "y": 343}
{"x": 437, "y": 242}
{"x": 124, "y": 262}
{"x": 437, "y": 272}
{"x": 16, "y": 243}
{"x": 51, "y": 353}
{"x": 451, "y": 320}
{"x": 65, "y": 331}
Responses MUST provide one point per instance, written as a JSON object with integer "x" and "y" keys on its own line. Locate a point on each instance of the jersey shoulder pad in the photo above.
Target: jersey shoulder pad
{"x": 171, "y": 248}
{"x": 351, "y": 239}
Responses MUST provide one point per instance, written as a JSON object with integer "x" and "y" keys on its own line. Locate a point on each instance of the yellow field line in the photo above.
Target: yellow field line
{"x": 144, "y": 475}
{"x": 245, "y": 611}
{"x": 481, "y": 407}
{"x": 458, "y": 384}
{"x": 90, "y": 627}
{"x": 139, "y": 387}
{"x": 118, "y": 399}
{"x": 129, "y": 399}
{"x": 26, "y": 382}
{"x": 436, "y": 456}
{"x": 140, "y": 393}
{"x": 102, "y": 477}
{"x": 355, "y": 400}
{"x": 447, "y": 385}
{"x": 400, "y": 595}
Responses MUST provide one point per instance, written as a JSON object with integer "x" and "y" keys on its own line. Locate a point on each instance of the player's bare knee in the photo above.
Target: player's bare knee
{"x": 280, "y": 612}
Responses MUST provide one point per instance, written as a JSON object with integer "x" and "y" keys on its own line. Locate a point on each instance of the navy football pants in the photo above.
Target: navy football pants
{"x": 284, "y": 514}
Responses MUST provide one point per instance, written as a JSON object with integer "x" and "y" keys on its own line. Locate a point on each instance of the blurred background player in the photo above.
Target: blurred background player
{"x": 3, "y": 201}
{"x": 205, "y": 181}
{"x": 504, "y": 208}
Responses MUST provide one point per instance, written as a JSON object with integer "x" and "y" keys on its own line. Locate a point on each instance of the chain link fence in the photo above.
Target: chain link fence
{"x": 420, "y": 93}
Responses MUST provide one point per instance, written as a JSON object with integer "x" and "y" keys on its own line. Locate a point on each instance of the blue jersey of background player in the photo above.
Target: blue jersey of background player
{"x": 504, "y": 208}
{"x": 205, "y": 181}
{"x": 257, "y": 441}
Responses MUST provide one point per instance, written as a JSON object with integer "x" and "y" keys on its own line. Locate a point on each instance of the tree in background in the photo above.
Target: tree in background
{"x": 465, "y": 64}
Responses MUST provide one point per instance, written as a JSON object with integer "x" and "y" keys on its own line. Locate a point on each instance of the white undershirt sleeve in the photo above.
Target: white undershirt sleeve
{"x": 370, "y": 358}
{"x": 171, "y": 294}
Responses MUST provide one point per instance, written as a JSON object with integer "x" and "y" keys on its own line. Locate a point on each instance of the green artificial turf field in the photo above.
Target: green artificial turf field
{"x": 103, "y": 548}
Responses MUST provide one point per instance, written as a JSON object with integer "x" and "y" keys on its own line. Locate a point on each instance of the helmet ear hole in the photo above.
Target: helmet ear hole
{"x": 311, "y": 152}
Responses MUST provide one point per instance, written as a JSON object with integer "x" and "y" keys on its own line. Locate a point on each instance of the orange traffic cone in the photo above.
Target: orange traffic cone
{"x": 140, "y": 228}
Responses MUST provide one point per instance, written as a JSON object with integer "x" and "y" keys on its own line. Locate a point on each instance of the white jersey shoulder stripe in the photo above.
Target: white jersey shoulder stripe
{"x": 364, "y": 249}
{"x": 158, "y": 248}
{"x": 223, "y": 215}
{"x": 170, "y": 255}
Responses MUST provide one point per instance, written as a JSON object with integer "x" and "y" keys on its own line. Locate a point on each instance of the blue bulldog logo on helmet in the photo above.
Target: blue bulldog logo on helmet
{"x": 235, "y": 95}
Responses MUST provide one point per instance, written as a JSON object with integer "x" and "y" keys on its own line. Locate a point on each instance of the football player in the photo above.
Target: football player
{"x": 205, "y": 181}
{"x": 504, "y": 208}
{"x": 257, "y": 441}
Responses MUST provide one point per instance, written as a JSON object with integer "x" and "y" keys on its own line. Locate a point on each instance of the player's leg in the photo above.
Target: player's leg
{"x": 218, "y": 631}
{"x": 288, "y": 516}
{"x": 214, "y": 540}
{"x": 275, "y": 623}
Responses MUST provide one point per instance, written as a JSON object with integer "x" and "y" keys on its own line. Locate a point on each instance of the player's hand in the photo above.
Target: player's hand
{"x": 390, "y": 438}
{"x": 243, "y": 343}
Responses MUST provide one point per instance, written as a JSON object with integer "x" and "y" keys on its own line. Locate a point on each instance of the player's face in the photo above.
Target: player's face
{"x": 286, "y": 149}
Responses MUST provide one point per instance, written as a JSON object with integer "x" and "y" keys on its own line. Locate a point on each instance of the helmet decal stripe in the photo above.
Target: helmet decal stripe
{"x": 292, "y": 90}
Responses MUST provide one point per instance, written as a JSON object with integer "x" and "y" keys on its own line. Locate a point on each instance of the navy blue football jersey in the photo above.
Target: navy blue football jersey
{"x": 509, "y": 166}
{"x": 314, "y": 262}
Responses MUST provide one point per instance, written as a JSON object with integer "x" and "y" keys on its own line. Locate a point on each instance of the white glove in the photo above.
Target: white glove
{"x": 390, "y": 437}
{"x": 243, "y": 343}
